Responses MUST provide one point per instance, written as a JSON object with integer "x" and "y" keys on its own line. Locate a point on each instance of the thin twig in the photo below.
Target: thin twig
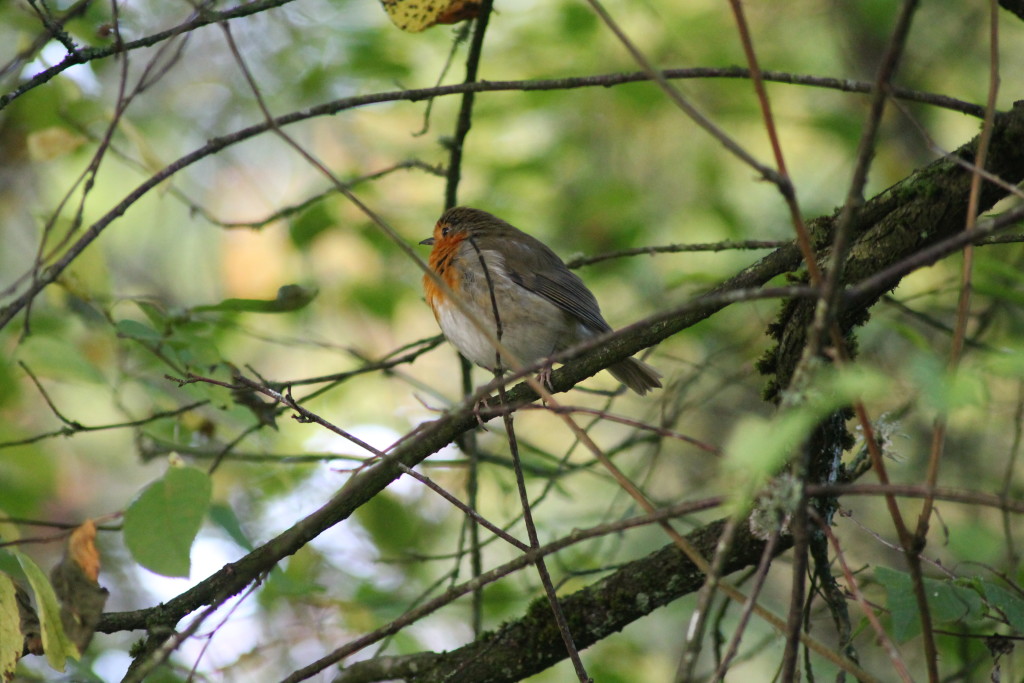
{"x": 53, "y": 271}
{"x": 677, "y": 98}
{"x": 74, "y": 426}
{"x": 465, "y": 509}
{"x": 454, "y": 173}
{"x": 694, "y": 638}
{"x": 465, "y": 117}
{"x": 825, "y": 322}
{"x": 945, "y": 493}
{"x": 141, "y": 667}
{"x": 73, "y": 12}
{"x": 305, "y": 415}
{"x": 956, "y": 348}
{"x": 308, "y": 202}
{"x": 851, "y": 582}
{"x": 784, "y": 182}
{"x": 83, "y": 56}
{"x": 636, "y": 424}
{"x": 1012, "y": 558}
{"x": 524, "y": 498}
{"x": 964, "y": 301}
{"x": 760, "y": 576}
{"x": 724, "y": 245}
{"x": 520, "y": 562}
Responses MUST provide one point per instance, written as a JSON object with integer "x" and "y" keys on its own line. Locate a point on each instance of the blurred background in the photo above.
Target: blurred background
{"x": 588, "y": 171}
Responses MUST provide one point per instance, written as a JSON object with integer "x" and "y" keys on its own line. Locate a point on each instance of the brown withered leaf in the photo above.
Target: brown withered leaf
{"x": 75, "y": 582}
{"x": 30, "y": 628}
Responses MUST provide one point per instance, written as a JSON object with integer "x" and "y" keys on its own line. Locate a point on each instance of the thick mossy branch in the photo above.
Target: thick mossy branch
{"x": 532, "y": 643}
{"x": 921, "y": 210}
{"x": 928, "y": 206}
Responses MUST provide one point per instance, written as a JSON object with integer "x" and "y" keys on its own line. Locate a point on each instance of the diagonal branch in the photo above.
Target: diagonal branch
{"x": 48, "y": 275}
{"x": 595, "y": 612}
{"x": 922, "y": 210}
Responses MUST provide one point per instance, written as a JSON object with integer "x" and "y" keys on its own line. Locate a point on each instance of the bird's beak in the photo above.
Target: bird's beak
{"x": 428, "y": 242}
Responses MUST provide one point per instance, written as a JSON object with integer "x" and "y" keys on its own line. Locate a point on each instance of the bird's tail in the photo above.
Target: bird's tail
{"x": 637, "y": 375}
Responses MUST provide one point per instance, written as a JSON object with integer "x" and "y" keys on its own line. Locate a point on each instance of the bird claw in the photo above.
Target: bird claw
{"x": 478, "y": 408}
{"x": 544, "y": 377}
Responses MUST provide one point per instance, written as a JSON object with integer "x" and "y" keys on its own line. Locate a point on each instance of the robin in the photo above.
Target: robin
{"x": 543, "y": 307}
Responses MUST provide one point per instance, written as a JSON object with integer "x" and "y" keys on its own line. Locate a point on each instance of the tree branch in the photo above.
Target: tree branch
{"x": 532, "y": 643}
{"x": 919, "y": 211}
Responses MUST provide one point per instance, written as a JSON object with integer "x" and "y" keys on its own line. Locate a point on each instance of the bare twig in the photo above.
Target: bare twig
{"x": 677, "y": 98}
{"x": 524, "y": 498}
{"x": 454, "y": 174}
{"x": 920, "y": 537}
{"x": 522, "y": 561}
{"x": 760, "y": 576}
{"x": 1012, "y": 558}
{"x": 82, "y": 56}
{"x": 305, "y": 415}
{"x": 55, "y": 269}
{"x": 784, "y": 182}
{"x": 146, "y": 662}
{"x": 311, "y": 201}
{"x": 465, "y": 117}
{"x": 724, "y": 245}
{"x": 824, "y": 323}
{"x": 466, "y": 510}
{"x": 611, "y": 417}
{"x": 74, "y": 426}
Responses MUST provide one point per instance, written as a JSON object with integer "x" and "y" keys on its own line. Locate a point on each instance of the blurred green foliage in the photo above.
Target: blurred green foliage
{"x": 194, "y": 276}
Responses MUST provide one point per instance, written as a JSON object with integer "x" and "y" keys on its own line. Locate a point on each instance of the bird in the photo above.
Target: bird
{"x": 543, "y": 307}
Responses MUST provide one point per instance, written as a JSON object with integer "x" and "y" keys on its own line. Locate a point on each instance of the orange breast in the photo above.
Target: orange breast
{"x": 441, "y": 261}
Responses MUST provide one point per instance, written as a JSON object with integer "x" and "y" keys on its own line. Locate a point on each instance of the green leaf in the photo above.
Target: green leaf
{"x": 133, "y": 329}
{"x": 11, "y": 387}
{"x": 9, "y": 565}
{"x": 224, "y": 517}
{"x": 852, "y": 383}
{"x": 901, "y": 603}
{"x": 8, "y": 530}
{"x": 999, "y": 291}
{"x": 391, "y": 523}
{"x": 758, "y": 446}
{"x": 191, "y": 346}
{"x": 55, "y": 641}
{"x": 295, "y": 578}
{"x": 58, "y": 357}
{"x": 289, "y": 298}
{"x": 161, "y": 524}
{"x": 11, "y": 638}
{"x": 951, "y": 601}
{"x": 374, "y": 53}
{"x": 379, "y": 300}
{"x": 943, "y": 390}
{"x": 947, "y": 601}
{"x": 1006, "y": 363}
{"x": 1007, "y": 602}
{"x": 155, "y": 312}
{"x": 309, "y": 224}
{"x": 577, "y": 21}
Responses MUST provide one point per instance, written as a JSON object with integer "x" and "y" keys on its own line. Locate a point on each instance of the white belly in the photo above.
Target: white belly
{"x": 532, "y": 326}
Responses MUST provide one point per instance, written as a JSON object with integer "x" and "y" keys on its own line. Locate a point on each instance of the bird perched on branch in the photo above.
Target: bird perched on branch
{"x": 543, "y": 307}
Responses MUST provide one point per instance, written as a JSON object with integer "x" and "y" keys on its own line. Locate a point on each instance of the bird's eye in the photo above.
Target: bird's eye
{"x": 445, "y": 230}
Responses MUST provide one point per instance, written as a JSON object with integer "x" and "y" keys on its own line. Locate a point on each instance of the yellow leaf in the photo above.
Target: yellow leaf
{"x": 415, "y": 15}
{"x": 50, "y": 143}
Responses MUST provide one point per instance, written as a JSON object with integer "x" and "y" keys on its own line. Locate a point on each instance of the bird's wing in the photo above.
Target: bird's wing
{"x": 532, "y": 266}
